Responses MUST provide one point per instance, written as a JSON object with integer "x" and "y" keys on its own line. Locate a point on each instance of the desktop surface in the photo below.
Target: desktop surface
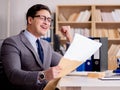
{"x": 75, "y": 81}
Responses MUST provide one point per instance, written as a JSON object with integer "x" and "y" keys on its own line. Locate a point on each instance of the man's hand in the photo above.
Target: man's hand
{"x": 52, "y": 73}
{"x": 65, "y": 30}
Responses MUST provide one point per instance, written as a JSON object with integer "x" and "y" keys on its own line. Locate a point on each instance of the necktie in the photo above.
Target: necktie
{"x": 40, "y": 50}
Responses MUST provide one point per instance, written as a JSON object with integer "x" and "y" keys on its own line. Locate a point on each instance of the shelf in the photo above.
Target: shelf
{"x": 96, "y": 22}
{"x": 99, "y": 20}
{"x": 76, "y": 24}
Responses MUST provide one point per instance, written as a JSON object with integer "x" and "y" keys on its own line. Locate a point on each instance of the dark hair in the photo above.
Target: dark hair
{"x": 34, "y": 9}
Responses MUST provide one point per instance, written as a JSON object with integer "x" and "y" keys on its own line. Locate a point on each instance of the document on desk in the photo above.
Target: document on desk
{"x": 78, "y": 52}
{"x": 109, "y": 75}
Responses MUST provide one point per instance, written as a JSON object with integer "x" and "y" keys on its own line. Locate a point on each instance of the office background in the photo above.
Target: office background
{"x": 12, "y": 12}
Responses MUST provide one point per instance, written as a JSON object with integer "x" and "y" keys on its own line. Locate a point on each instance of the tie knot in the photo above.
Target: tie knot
{"x": 38, "y": 44}
{"x": 37, "y": 41}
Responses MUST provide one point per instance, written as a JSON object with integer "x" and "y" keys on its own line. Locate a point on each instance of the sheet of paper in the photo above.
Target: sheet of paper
{"x": 81, "y": 48}
{"x": 79, "y": 51}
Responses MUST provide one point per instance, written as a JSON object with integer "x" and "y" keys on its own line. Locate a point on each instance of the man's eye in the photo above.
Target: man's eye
{"x": 41, "y": 17}
{"x": 49, "y": 19}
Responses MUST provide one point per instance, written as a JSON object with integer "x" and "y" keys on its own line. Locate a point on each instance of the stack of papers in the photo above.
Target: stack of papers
{"x": 109, "y": 75}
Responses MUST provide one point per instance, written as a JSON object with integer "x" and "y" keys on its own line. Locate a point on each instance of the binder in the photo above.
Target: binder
{"x": 96, "y": 58}
{"x": 100, "y": 58}
{"x": 81, "y": 67}
{"x": 88, "y": 65}
{"x": 104, "y": 54}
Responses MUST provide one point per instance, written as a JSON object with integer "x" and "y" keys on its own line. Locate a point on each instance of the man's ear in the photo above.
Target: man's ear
{"x": 30, "y": 20}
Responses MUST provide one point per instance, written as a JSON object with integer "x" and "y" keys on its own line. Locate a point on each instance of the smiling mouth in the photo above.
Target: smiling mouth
{"x": 44, "y": 27}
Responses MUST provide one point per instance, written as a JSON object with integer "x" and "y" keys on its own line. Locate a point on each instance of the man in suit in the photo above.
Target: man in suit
{"x": 22, "y": 64}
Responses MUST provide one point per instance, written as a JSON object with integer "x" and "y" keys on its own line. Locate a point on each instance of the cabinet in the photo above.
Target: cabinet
{"x": 104, "y": 20}
{"x": 91, "y": 21}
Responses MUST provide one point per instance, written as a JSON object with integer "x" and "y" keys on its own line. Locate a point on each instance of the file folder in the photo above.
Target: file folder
{"x": 100, "y": 58}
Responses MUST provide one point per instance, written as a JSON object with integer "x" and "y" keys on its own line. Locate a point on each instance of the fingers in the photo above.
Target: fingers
{"x": 65, "y": 29}
{"x": 56, "y": 71}
{"x": 66, "y": 32}
{"x": 52, "y": 72}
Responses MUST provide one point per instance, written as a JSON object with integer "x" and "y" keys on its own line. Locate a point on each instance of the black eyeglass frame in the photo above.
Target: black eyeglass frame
{"x": 42, "y": 17}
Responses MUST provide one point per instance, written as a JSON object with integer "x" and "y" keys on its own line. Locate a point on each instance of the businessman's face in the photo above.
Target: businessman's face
{"x": 40, "y": 24}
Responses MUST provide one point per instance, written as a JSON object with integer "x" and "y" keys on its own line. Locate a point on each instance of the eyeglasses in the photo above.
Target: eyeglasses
{"x": 44, "y": 18}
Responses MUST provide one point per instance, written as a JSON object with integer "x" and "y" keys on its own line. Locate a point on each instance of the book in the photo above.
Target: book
{"x": 112, "y": 60}
{"x": 86, "y": 16}
{"x": 107, "y": 17}
{"x": 98, "y": 15}
{"x": 72, "y": 17}
{"x": 80, "y": 16}
{"x": 62, "y": 18}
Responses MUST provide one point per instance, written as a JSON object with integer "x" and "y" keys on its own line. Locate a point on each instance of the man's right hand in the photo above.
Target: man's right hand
{"x": 52, "y": 73}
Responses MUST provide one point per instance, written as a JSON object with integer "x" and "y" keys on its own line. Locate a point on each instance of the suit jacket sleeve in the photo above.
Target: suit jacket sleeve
{"x": 13, "y": 67}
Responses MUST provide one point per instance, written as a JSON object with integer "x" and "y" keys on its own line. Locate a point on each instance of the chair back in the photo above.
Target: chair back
{"x": 1, "y": 41}
{"x": 1, "y": 67}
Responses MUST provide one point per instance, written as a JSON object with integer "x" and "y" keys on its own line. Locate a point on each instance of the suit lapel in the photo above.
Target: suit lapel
{"x": 30, "y": 47}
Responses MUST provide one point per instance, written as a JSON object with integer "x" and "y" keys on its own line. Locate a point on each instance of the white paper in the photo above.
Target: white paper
{"x": 81, "y": 48}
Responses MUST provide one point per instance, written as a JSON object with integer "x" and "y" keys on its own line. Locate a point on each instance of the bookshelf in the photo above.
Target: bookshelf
{"x": 101, "y": 21}
{"x": 109, "y": 23}
{"x": 67, "y": 14}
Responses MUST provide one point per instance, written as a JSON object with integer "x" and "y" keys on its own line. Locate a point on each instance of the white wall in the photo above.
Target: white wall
{"x": 3, "y": 18}
{"x": 12, "y": 12}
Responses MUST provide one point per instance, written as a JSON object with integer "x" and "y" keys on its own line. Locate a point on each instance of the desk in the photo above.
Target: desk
{"x": 87, "y": 83}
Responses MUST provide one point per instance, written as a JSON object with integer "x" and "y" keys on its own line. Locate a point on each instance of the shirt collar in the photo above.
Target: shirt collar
{"x": 32, "y": 39}
{"x": 30, "y": 36}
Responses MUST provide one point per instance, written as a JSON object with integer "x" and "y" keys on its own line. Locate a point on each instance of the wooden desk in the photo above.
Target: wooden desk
{"x": 87, "y": 83}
